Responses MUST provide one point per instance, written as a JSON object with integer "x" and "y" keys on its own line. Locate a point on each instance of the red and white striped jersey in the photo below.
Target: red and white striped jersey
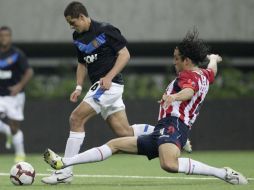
{"x": 188, "y": 110}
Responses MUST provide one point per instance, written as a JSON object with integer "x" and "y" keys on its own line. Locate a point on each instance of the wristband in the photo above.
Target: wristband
{"x": 79, "y": 87}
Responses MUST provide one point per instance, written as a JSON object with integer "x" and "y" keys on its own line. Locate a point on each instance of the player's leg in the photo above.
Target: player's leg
{"x": 5, "y": 129}
{"x": 125, "y": 144}
{"x": 119, "y": 123}
{"x": 78, "y": 119}
{"x": 17, "y": 140}
{"x": 169, "y": 160}
{"x": 14, "y": 116}
{"x": 113, "y": 111}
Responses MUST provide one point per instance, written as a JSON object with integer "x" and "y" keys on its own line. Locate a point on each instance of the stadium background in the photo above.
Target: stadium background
{"x": 152, "y": 28}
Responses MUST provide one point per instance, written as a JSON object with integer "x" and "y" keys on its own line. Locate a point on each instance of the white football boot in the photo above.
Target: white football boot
{"x": 234, "y": 177}
{"x": 58, "y": 177}
{"x": 187, "y": 147}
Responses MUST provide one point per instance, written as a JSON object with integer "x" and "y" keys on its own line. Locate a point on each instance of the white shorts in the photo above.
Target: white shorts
{"x": 13, "y": 106}
{"x": 105, "y": 102}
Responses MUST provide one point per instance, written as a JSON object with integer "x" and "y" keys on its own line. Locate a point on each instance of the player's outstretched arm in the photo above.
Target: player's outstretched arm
{"x": 214, "y": 59}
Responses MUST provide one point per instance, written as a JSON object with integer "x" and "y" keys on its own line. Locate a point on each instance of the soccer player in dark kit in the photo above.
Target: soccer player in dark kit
{"x": 179, "y": 107}
{"x": 102, "y": 54}
{"x": 14, "y": 75}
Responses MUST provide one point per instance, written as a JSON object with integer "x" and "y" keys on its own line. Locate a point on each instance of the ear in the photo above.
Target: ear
{"x": 188, "y": 61}
{"x": 82, "y": 17}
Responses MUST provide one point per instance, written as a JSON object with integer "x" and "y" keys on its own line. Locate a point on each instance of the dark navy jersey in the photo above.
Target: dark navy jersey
{"x": 13, "y": 64}
{"x": 97, "y": 49}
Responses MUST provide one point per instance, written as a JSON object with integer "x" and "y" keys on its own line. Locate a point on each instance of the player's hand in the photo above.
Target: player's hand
{"x": 214, "y": 57}
{"x": 168, "y": 99}
{"x": 74, "y": 95}
{"x": 14, "y": 90}
{"x": 105, "y": 83}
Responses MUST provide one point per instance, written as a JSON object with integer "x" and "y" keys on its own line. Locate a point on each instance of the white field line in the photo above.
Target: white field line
{"x": 132, "y": 177}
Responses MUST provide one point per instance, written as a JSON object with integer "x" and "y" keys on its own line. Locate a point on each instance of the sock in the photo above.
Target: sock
{"x": 73, "y": 145}
{"x": 4, "y": 128}
{"x": 91, "y": 155}
{"x": 142, "y": 129}
{"x": 18, "y": 143}
{"x": 189, "y": 166}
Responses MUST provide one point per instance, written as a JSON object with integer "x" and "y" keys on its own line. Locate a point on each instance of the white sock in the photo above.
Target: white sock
{"x": 4, "y": 128}
{"x": 189, "y": 166}
{"x": 18, "y": 143}
{"x": 91, "y": 155}
{"x": 142, "y": 129}
{"x": 73, "y": 145}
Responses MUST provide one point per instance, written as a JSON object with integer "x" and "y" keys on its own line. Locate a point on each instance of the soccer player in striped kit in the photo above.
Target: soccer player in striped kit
{"x": 179, "y": 108}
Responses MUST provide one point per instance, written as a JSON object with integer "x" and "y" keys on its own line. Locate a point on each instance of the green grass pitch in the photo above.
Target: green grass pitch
{"x": 136, "y": 172}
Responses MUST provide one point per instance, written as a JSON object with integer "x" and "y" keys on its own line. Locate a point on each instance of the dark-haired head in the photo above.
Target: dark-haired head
{"x": 5, "y": 28}
{"x": 74, "y": 9}
{"x": 193, "y": 48}
{"x": 5, "y": 38}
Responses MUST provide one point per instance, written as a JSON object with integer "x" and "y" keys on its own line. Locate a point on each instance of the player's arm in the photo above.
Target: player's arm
{"x": 28, "y": 74}
{"x": 183, "y": 95}
{"x": 26, "y": 77}
{"x": 213, "y": 60}
{"x": 123, "y": 56}
{"x": 80, "y": 76}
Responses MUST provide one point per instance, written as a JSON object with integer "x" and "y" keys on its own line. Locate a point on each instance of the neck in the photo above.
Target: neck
{"x": 5, "y": 48}
{"x": 192, "y": 68}
{"x": 89, "y": 23}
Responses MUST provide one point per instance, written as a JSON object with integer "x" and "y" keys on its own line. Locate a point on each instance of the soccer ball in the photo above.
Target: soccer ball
{"x": 22, "y": 173}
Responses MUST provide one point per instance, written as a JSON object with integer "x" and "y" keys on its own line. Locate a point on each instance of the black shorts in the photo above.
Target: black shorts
{"x": 168, "y": 130}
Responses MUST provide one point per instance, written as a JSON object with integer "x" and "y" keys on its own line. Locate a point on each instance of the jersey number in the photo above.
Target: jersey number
{"x": 94, "y": 87}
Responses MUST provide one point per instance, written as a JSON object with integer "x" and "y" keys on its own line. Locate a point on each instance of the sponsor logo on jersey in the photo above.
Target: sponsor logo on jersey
{"x": 5, "y": 74}
{"x": 90, "y": 58}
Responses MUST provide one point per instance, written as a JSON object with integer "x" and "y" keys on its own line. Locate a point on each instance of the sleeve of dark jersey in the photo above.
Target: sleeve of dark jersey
{"x": 23, "y": 62}
{"x": 114, "y": 38}
{"x": 80, "y": 55}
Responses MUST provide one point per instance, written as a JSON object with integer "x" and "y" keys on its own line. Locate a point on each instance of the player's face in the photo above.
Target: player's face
{"x": 5, "y": 38}
{"x": 80, "y": 24}
{"x": 178, "y": 62}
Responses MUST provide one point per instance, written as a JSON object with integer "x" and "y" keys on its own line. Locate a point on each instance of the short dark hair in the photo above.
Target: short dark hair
{"x": 74, "y": 9}
{"x": 193, "y": 48}
{"x": 5, "y": 28}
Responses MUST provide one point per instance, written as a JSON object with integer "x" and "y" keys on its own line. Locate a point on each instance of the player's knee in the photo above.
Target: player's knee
{"x": 75, "y": 120}
{"x": 14, "y": 130}
{"x": 14, "y": 126}
{"x": 169, "y": 166}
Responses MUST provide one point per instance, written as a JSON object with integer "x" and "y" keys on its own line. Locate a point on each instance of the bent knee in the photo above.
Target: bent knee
{"x": 169, "y": 167}
{"x": 76, "y": 121}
